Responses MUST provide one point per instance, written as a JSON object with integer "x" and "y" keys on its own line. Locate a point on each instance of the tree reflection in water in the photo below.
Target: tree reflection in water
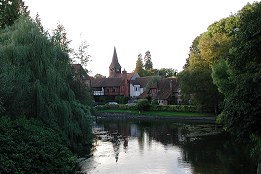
{"x": 212, "y": 154}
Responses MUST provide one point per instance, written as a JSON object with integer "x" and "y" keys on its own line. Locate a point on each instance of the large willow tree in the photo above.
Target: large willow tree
{"x": 36, "y": 73}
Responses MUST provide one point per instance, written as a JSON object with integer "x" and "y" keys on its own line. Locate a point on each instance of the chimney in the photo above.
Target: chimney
{"x": 126, "y": 85}
{"x": 124, "y": 71}
{"x": 171, "y": 87}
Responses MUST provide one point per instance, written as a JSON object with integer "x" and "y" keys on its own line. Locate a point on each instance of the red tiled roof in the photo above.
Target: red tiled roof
{"x": 165, "y": 86}
{"x": 106, "y": 82}
{"x": 128, "y": 75}
{"x": 118, "y": 80}
{"x": 164, "y": 89}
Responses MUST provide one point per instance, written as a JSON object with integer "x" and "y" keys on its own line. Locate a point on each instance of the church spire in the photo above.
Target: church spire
{"x": 115, "y": 67}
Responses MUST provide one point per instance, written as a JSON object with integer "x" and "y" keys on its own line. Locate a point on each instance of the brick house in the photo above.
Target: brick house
{"x": 117, "y": 84}
{"x": 132, "y": 86}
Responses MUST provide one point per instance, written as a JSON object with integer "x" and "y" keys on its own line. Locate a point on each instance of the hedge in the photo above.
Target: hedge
{"x": 173, "y": 108}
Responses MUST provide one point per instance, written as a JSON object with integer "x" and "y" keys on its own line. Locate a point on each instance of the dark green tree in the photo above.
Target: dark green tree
{"x": 238, "y": 77}
{"x": 11, "y": 10}
{"x": 167, "y": 72}
{"x": 207, "y": 49}
{"x": 148, "y": 65}
{"x": 196, "y": 81}
{"x": 29, "y": 146}
{"x": 60, "y": 38}
{"x": 37, "y": 75}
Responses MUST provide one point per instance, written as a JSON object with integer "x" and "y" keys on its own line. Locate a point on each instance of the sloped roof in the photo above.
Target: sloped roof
{"x": 115, "y": 63}
{"x": 106, "y": 82}
{"x": 144, "y": 94}
{"x": 78, "y": 69}
{"x": 142, "y": 81}
{"x": 167, "y": 86}
{"x": 122, "y": 75}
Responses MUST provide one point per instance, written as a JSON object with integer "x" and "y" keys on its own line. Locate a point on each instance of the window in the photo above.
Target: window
{"x": 179, "y": 92}
{"x": 136, "y": 87}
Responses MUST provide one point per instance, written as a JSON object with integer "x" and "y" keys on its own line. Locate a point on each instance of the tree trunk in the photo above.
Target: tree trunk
{"x": 259, "y": 168}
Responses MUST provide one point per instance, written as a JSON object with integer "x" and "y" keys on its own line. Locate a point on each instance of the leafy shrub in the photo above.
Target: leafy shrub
{"x": 27, "y": 146}
{"x": 121, "y": 99}
{"x": 175, "y": 108}
{"x": 143, "y": 105}
{"x": 154, "y": 102}
{"x": 120, "y": 106}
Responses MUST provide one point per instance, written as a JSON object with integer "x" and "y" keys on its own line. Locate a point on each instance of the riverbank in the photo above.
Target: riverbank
{"x": 116, "y": 115}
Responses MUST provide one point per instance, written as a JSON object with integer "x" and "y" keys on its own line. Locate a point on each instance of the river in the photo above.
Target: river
{"x": 164, "y": 147}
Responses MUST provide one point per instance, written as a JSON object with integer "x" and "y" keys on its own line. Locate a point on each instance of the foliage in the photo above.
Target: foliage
{"x": 80, "y": 85}
{"x": 144, "y": 67}
{"x": 143, "y": 105}
{"x": 167, "y": 72}
{"x": 256, "y": 147}
{"x": 60, "y": 38}
{"x": 154, "y": 102}
{"x": 169, "y": 108}
{"x": 148, "y": 65}
{"x": 99, "y": 76}
{"x": 82, "y": 54}
{"x": 121, "y": 99}
{"x": 37, "y": 72}
{"x": 220, "y": 75}
{"x": 154, "y": 113}
{"x": 240, "y": 82}
{"x": 175, "y": 108}
{"x": 11, "y": 10}
{"x": 206, "y": 50}
{"x": 119, "y": 106}
{"x": 198, "y": 83}
{"x": 139, "y": 65}
{"x": 28, "y": 146}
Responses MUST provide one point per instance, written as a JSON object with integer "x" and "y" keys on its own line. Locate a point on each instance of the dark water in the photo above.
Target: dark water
{"x": 164, "y": 147}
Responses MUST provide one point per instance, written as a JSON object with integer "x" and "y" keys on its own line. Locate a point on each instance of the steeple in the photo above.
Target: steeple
{"x": 115, "y": 67}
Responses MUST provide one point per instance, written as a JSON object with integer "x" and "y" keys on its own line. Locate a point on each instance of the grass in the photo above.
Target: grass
{"x": 156, "y": 113}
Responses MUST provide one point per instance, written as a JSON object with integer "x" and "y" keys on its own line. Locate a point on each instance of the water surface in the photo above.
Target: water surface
{"x": 164, "y": 147}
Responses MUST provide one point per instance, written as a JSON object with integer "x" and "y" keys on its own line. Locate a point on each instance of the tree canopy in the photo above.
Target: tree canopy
{"x": 139, "y": 65}
{"x": 238, "y": 75}
{"x": 225, "y": 60}
{"x": 37, "y": 77}
{"x": 148, "y": 65}
{"x": 11, "y": 10}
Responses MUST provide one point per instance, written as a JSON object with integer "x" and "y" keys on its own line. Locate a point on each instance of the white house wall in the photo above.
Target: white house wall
{"x": 133, "y": 92}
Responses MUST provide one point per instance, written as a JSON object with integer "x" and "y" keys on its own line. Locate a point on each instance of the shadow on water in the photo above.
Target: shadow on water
{"x": 202, "y": 147}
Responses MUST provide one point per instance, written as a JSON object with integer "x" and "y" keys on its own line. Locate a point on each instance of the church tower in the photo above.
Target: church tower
{"x": 115, "y": 67}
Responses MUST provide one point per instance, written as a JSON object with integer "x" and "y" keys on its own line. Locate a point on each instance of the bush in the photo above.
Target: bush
{"x": 175, "y": 108}
{"x": 27, "y": 146}
{"x": 154, "y": 102}
{"x": 121, "y": 99}
{"x": 143, "y": 105}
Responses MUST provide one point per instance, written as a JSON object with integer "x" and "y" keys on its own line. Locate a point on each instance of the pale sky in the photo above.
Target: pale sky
{"x": 164, "y": 27}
